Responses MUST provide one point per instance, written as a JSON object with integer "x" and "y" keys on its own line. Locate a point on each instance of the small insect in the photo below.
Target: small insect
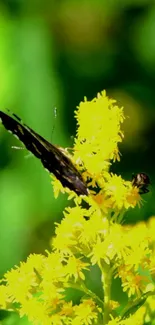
{"x": 52, "y": 158}
{"x": 142, "y": 181}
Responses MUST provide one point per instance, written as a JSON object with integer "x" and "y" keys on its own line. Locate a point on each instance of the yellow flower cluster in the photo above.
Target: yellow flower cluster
{"x": 96, "y": 146}
{"x": 90, "y": 234}
{"x": 98, "y": 133}
{"x": 38, "y": 287}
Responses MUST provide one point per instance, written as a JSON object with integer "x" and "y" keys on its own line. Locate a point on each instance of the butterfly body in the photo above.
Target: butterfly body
{"x": 52, "y": 158}
{"x": 142, "y": 181}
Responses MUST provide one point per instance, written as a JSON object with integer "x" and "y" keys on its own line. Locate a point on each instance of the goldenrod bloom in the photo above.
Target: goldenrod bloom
{"x": 90, "y": 233}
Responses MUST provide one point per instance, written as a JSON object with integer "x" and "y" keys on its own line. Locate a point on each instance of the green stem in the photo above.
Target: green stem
{"x": 83, "y": 288}
{"x": 106, "y": 281}
{"x": 133, "y": 306}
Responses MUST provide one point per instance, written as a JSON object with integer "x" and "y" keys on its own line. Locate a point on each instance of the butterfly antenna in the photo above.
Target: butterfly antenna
{"x": 55, "y": 116}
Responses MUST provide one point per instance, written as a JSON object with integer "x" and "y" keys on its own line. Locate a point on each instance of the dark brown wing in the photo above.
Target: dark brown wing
{"x": 52, "y": 158}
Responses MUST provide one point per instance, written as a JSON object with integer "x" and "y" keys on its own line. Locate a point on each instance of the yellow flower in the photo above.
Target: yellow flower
{"x": 114, "y": 304}
{"x": 97, "y": 226}
{"x": 134, "y": 284}
{"x": 137, "y": 318}
{"x": 67, "y": 232}
{"x": 56, "y": 319}
{"x": 21, "y": 282}
{"x": 74, "y": 268}
{"x": 67, "y": 309}
{"x": 96, "y": 146}
{"x": 99, "y": 252}
{"x": 57, "y": 186}
{"x": 4, "y": 297}
{"x": 151, "y": 227}
{"x": 53, "y": 267}
{"x": 85, "y": 313}
{"x": 139, "y": 253}
{"x": 121, "y": 192}
{"x": 36, "y": 312}
{"x": 114, "y": 321}
{"x": 112, "y": 248}
{"x": 151, "y": 304}
{"x": 97, "y": 143}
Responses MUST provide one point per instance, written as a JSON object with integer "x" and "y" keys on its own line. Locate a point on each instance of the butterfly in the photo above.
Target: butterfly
{"x": 52, "y": 158}
{"x": 142, "y": 181}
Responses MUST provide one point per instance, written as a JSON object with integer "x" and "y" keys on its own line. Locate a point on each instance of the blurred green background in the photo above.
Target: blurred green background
{"x": 52, "y": 54}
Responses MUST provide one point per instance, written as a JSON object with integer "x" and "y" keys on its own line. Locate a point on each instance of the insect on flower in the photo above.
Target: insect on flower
{"x": 142, "y": 181}
{"x": 53, "y": 159}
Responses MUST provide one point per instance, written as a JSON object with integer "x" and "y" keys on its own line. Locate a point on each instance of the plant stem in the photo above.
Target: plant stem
{"x": 82, "y": 287}
{"x": 106, "y": 281}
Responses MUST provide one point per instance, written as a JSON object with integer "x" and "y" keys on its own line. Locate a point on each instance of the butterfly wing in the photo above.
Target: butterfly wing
{"x": 52, "y": 158}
